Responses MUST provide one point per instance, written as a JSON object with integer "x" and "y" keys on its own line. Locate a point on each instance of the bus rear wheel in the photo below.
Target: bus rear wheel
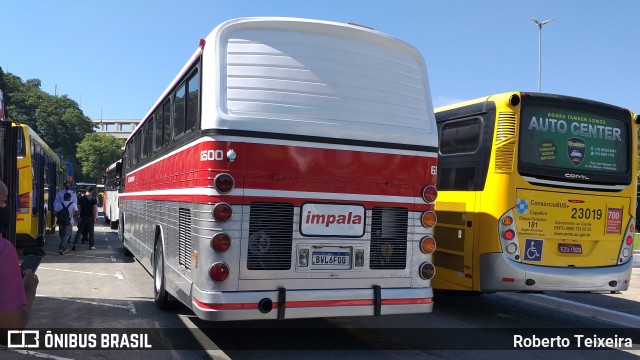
{"x": 160, "y": 294}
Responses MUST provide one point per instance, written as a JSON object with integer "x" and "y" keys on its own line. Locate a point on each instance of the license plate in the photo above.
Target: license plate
{"x": 331, "y": 259}
{"x": 570, "y": 248}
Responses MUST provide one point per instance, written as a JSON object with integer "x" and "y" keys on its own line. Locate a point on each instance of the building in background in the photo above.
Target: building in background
{"x": 121, "y": 129}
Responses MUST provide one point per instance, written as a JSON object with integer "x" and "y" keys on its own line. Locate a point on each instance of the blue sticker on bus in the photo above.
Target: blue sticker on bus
{"x": 522, "y": 206}
{"x": 533, "y": 250}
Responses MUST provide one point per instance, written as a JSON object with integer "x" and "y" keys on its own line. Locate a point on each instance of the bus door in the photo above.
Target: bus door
{"x": 455, "y": 232}
{"x": 38, "y": 198}
{"x": 465, "y": 146}
{"x": 8, "y": 172}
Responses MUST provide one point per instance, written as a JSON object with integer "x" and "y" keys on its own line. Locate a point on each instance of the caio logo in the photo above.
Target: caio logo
{"x": 332, "y": 220}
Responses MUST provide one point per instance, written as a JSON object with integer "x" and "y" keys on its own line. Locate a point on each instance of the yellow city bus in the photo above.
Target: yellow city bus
{"x": 39, "y": 177}
{"x": 536, "y": 192}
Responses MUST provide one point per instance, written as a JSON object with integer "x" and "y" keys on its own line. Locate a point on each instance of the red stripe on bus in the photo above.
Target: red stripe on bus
{"x": 407, "y": 301}
{"x": 288, "y": 167}
{"x": 232, "y": 306}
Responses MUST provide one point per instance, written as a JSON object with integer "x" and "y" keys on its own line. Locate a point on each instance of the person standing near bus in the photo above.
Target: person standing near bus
{"x": 17, "y": 291}
{"x": 65, "y": 221}
{"x": 68, "y": 188}
{"x": 88, "y": 217}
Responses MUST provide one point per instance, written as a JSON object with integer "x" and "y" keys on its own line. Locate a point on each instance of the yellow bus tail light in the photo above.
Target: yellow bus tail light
{"x": 512, "y": 248}
{"x": 23, "y": 203}
{"x": 509, "y": 234}
{"x": 626, "y": 248}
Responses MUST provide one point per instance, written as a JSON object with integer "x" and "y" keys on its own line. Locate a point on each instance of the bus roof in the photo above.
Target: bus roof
{"x": 303, "y": 76}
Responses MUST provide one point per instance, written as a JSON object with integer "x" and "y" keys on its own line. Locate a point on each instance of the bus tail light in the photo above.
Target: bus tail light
{"x": 224, "y": 183}
{"x": 427, "y": 245}
{"x": 23, "y": 203}
{"x": 219, "y": 271}
{"x": 220, "y": 242}
{"x": 427, "y": 271}
{"x": 429, "y": 193}
{"x": 626, "y": 250}
{"x": 222, "y": 212}
{"x": 508, "y": 234}
{"x": 429, "y": 219}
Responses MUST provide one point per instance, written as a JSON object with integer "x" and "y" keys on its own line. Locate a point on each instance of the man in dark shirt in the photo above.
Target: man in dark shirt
{"x": 88, "y": 217}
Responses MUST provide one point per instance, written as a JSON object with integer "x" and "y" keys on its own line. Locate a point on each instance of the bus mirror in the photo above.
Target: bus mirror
{"x": 104, "y": 179}
{"x": 637, "y": 119}
{"x": 118, "y": 169}
{"x": 117, "y": 183}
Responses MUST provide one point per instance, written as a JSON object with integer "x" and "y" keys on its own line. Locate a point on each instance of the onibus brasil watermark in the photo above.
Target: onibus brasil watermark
{"x": 31, "y": 339}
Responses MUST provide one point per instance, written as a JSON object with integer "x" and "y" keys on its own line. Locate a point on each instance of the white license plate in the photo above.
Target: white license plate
{"x": 331, "y": 259}
{"x": 570, "y": 248}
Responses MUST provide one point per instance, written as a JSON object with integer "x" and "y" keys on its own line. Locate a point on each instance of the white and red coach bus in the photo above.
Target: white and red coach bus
{"x": 288, "y": 171}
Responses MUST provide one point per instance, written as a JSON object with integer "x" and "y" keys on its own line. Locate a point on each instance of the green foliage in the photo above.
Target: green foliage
{"x": 57, "y": 119}
{"x": 97, "y": 151}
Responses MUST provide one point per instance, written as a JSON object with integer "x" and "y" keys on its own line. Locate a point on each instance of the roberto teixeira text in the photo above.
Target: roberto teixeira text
{"x": 577, "y": 341}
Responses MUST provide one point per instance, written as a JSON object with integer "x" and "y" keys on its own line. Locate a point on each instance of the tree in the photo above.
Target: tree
{"x": 57, "y": 119}
{"x": 97, "y": 151}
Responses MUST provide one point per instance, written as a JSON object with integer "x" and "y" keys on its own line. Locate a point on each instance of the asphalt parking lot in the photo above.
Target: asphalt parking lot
{"x": 103, "y": 289}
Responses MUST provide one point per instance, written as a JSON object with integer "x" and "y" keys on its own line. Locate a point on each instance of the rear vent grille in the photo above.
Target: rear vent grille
{"x": 185, "y": 244}
{"x": 270, "y": 236}
{"x": 388, "y": 238}
{"x": 505, "y": 142}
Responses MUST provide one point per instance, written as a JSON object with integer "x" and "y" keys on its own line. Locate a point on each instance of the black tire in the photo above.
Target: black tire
{"x": 160, "y": 294}
{"x": 113, "y": 225}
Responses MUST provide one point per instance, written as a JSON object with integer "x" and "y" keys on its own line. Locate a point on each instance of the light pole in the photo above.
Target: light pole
{"x": 540, "y": 23}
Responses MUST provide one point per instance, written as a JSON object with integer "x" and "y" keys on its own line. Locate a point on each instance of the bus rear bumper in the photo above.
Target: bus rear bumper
{"x": 227, "y": 306}
{"x": 501, "y": 274}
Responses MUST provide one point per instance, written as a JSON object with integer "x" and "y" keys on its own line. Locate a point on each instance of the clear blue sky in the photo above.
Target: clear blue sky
{"x": 116, "y": 57}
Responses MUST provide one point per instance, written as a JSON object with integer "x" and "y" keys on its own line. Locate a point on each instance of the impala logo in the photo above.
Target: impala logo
{"x": 576, "y": 176}
{"x": 332, "y": 220}
{"x": 329, "y": 219}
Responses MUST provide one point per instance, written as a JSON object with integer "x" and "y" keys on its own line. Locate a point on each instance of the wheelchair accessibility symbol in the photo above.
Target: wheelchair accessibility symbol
{"x": 533, "y": 250}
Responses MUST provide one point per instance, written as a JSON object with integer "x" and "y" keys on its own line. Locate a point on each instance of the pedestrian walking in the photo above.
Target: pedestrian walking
{"x": 88, "y": 218}
{"x": 65, "y": 214}
{"x": 68, "y": 189}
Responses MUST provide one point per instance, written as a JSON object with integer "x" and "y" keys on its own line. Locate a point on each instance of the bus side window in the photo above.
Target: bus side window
{"x": 179, "y": 111}
{"x": 461, "y": 165}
